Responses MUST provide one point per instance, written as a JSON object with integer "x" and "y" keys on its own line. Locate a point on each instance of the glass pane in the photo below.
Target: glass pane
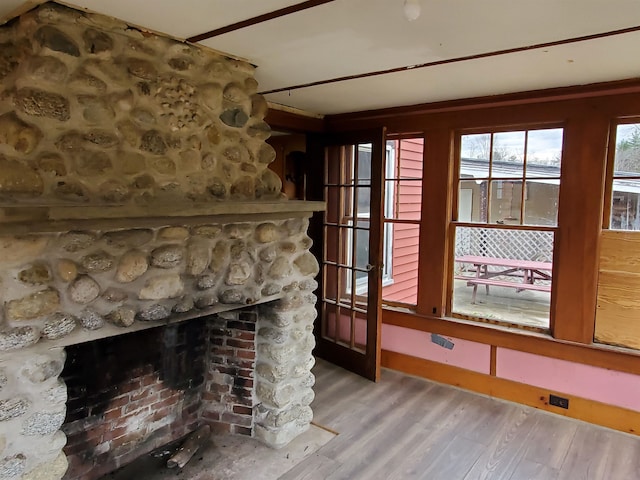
{"x": 475, "y": 151}
{"x": 362, "y": 248}
{"x": 348, "y": 204}
{"x": 506, "y": 198}
{"x": 625, "y": 207}
{"x": 627, "y": 156}
{"x": 364, "y": 164}
{"x": 403, "y": 199}
{"x": 544, "y": 152}
{"x": 410, "y": 160}
{"x": 363, "y": 197}
{"x": 508, "y": 155}
{"x": 329, "y": 321}
{"x": 331, "y": 282}
{"x": 503, "y": 274}
{"x": 333, "y": 204}
{"x": 472, "y": 201}
{"x": 541, "y": 202}
{"x": 400, "y": 263}
{"x": 332, "y": 244}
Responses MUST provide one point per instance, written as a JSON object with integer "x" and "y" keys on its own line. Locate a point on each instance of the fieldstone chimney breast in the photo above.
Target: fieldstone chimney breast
{"x": 135, "y": 193}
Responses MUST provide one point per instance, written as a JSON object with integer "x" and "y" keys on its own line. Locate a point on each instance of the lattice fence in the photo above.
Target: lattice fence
{"x": 503, "y": 243}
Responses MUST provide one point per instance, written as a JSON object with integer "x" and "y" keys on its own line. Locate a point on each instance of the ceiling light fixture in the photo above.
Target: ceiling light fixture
{"x": 411, "y": 9}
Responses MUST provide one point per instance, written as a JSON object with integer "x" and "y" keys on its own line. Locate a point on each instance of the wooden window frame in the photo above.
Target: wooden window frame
{"x": 586, "y": 113}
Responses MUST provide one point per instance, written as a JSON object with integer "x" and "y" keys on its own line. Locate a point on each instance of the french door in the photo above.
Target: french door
{"x": 348, "y": 332}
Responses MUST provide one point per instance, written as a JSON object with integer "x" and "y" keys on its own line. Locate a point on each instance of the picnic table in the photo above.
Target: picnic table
{"x": 521, "y": 274}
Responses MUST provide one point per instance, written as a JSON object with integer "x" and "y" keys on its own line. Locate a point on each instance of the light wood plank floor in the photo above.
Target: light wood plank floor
{"x": 409, "y": 428}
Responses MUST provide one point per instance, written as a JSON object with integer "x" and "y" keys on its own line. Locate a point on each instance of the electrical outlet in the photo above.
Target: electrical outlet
{"x": 558, "y": 401}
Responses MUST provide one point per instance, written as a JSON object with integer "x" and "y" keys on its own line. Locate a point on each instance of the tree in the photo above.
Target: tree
{"x": 628, "y": 152}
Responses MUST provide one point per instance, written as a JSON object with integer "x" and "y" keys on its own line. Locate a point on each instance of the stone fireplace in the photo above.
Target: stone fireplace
{"x": 153, "y": 277}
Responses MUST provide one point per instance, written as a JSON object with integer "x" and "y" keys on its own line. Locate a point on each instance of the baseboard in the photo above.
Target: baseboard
{"x": 591, "y": 411}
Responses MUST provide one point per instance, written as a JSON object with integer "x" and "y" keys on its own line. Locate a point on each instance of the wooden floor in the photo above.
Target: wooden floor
{"x": 408, "y": 428}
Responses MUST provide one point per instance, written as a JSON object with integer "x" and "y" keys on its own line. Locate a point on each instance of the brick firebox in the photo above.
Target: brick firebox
{"x": 201, "y": 371}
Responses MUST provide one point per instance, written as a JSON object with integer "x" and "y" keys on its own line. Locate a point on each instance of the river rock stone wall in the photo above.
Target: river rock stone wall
{"x": 94, "y": 111}
{"x": 63, "y": 287}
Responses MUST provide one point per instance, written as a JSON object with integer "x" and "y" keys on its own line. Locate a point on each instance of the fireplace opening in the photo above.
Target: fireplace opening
{"x": 133, "y": 393}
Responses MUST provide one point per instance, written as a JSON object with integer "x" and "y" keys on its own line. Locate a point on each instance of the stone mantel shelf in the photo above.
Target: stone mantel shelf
{"x": 24, "y": 219}
{"x": 81, "y": 335}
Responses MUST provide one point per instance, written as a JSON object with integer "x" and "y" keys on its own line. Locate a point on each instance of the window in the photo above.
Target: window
{"x": 625, "y": 190}
{"x": 403, "y": 204}
{"x": 508, "y": 187}
{"x": 362, "y": 177}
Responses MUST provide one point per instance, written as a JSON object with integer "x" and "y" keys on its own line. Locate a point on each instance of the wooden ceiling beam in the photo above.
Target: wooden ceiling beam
{"x": 298, "y": 7}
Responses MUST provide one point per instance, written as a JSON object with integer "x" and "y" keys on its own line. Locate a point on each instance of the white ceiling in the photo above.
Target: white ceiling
{"x": 351, "y": 37}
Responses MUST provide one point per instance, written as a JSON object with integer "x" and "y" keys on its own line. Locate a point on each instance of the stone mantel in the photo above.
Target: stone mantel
{"x": 25, "y": 219}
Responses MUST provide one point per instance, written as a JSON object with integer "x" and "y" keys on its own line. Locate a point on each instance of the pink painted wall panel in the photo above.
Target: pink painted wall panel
{"x": 465, "y": 354}
{"x": 606, "y": 386}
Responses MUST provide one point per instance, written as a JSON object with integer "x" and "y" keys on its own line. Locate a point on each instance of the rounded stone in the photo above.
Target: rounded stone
{"x": 141, "y": 68}
{"x": 52, "y": 163}
{"x": 259, "y": 106}
{"x": 70, "y": 191}
{"x": 36, "y": 274}
{"x": 115, "y": 295}
{"x": 99, "y": 261}
{"x": 205, "y": 301}
{"x": 197, "y": 258}
{"x": 12, "y": 467}
{"x": 122, "y": 317}
{"x": 19, "y": 135}
{"x": 173, "y": 233}
{"x": 33, "y": 306}
{"x": 266, "y": 232}
{"x": 50, "y": 470}
{"x": 185, "y": 304}
{"x": 268, "y": 254}
{"x": 167, "y": 256}
{"x": 154, "y": 313}
{"x": 13, "y": 408}
{"x": 114, "y": 191}
{"x": 271, "y": 289}
{"x": 206, "y": 281}
{"x": 96, "y": 42}
{"x": 84, "y": 289}
{"x": 153, "y": 142}
{"x": 90, "y": 163}
{"x": 162, "y": 287}
{"x": 307, "y": 264}
{"x": 132, "y": 265}
{"x": 235, "y": 117}
{"x": 260, "y": 130}
{"x": 49, "y": 69}
{"x": 266, "y": 154}
{"x": 97, "y": 110}
{"x": 211, "y": 95}
{"x": 39, "y": 103}
{"x": 83, "y": 81}
{"x": 238, "y": 274}
{"x": 76, "y": 241}
{"x": 43, "y": 423}
{"x": 67, "y": 270}
{"x": 17, "y": 179}
{"x": 58, "y": 326}
{"x": 56, "y": 40}
{"x": 91, "y": 320}
{"x": 231, "y": 296}
{"x": 244, "y": 188}
{"x": 41, "y": 368}
{"x": 209, "y": 231}
{"x": 18, "y": 337}
{"x": 271, "y": 183}
{"x": 217, "y": 188}
{"x": 236, "y": 154}
{"x": 10, "y": 58}
{"x": 280, "y": 268}
{"x": 234, "y": 92}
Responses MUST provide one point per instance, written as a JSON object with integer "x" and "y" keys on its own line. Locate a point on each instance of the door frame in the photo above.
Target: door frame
{"x": 366, "y": 364}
